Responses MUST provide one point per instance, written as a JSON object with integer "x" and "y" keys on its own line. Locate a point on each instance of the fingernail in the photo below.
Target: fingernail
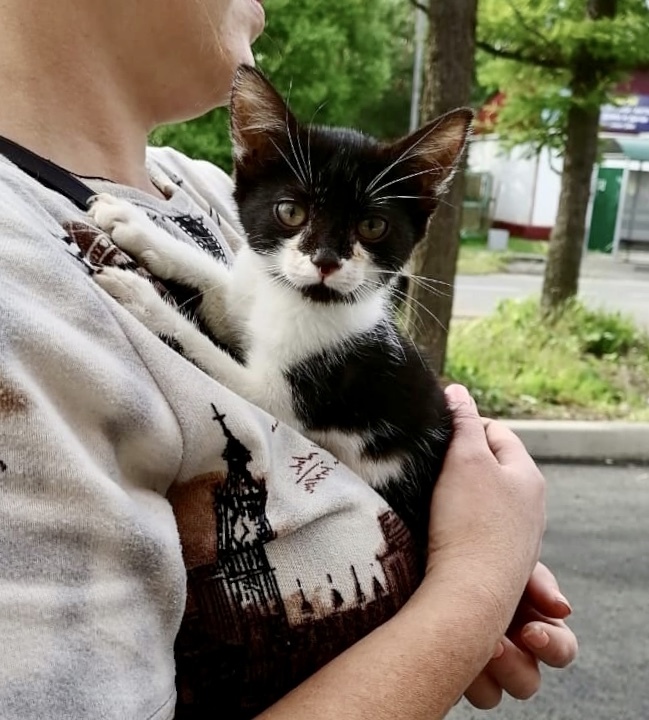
{"x": 457, "y": 394}
{"x": 499, "y": 651}
{"x": 562, "y": 601}
{"x": 537, "y": 638}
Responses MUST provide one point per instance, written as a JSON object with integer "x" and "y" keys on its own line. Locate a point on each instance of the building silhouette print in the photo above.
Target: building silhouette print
{"x": 243, "y": 644}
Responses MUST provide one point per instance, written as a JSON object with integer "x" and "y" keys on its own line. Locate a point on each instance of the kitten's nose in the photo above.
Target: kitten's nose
{"x": 326, "y": 261}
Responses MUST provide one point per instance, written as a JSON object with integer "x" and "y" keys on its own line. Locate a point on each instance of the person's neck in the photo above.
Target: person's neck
{"x": 70, "y": 107}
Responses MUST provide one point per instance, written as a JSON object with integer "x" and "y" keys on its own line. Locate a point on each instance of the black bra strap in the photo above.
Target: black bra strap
{"x": 47, "y": 173}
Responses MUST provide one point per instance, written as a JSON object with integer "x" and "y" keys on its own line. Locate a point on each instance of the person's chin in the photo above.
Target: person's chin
{"x": 259, "y": 20}
{"x": 245, "y": 56}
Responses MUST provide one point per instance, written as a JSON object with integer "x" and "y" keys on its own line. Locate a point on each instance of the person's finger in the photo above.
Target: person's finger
{"x": 458, "y": 395}
{"x": 505, "y": 444}
{"x": 553, "y": 643}
{"x": 544, "y": 595}
{"x": 466, "y": 419}
{"x": 516, "y": 672}
{"x": 484, "y": 692}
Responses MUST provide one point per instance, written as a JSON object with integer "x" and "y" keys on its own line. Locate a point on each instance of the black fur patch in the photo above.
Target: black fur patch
{"x": 384, "y": 390}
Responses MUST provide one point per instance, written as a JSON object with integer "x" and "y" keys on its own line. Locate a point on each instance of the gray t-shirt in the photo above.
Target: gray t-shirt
{"x": 150, "y": 519}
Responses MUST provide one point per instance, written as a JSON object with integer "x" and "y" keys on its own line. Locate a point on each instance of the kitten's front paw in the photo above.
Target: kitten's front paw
{"x": 128, "y": 226}
{"x": 131, "y": 290}
{"x": 139, "y": 297}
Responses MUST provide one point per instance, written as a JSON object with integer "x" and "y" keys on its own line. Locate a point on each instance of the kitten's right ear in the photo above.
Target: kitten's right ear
{"x": 435, "y": 150}
{"x": 258, "y": 114}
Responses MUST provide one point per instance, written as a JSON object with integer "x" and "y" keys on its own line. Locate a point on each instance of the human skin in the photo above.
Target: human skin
{"x": 83, "y": 82}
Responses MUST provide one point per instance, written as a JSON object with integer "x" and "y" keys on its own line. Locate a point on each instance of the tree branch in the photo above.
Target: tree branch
{"x": 522, "y": 57}
{"x": 419, "y": 6}
{"x": 526, "y": 26}
{"x": 597, "y": 9}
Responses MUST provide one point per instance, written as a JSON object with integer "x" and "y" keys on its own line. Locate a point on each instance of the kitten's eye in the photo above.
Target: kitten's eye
{"x": 290, "y": 214}
{"x": 372, "y": 228}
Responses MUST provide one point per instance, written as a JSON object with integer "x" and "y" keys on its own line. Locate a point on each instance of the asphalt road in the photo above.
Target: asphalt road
{"x": 477, "y": 295}
{"x": 598, "y": 545}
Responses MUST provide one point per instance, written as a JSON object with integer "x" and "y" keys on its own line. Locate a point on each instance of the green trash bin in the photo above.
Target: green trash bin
{"x": 606, "y": 205}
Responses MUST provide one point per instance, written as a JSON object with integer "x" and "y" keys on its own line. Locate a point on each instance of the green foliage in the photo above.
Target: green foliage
{"x": 587, "y": 364}
{"x": 206, "y": 138}
{"x": 342, "y": 62}
{"x": 551, "y": 38}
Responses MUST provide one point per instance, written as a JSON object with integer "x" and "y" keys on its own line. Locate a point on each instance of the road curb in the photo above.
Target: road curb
{"x": 577, "y": 441}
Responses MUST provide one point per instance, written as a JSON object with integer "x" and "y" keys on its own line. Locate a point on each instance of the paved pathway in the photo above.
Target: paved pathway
{"x": 598, "y": 544}
{"x": 477, "y": 295}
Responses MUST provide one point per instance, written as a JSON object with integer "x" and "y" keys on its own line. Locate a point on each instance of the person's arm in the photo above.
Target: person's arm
{"x": 538, "y": 635}
{"x": 413, "y": 667}
{"x": 486, "y": 525}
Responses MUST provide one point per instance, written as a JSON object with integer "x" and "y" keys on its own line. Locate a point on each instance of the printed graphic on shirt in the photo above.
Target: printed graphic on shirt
{"x": 252, "y": 629}
{"x": 12, "y": 400}
{"x": 95, "y": 250}
{"x": 199, "y": 232}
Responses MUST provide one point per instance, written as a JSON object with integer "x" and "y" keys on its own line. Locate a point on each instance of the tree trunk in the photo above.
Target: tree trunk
{"x": 449, "y": 80}
{"x": 561, "y": 281}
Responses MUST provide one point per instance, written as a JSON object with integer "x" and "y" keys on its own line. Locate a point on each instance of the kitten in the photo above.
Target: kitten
{"x": 331, "y": 218}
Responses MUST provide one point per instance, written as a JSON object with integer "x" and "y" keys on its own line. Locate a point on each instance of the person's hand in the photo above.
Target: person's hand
{"x": 488, "y": 510}
{"x": 538, "y": 634}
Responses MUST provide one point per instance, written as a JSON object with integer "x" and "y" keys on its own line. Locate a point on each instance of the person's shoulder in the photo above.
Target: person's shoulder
{"x": 210, "y": 181}
{"x": 39, "y": 253}
{"x": 184, "y": 165}
{"x": 208, "y": 185}
{"x": 26, "y": 206}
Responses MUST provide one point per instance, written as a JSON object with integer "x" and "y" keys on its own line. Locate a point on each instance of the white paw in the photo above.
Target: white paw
{"x": 136, "y": 294}
{"x": 131, "y": 290}
{"x": 128, "y": 226}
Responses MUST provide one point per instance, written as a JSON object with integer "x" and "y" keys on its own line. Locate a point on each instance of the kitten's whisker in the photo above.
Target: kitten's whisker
{"x": 290, "y": 139}
{"x": 404, "y": 329}
{"x": 308, "y": 153}
{"x": 429, "y": 287}
{"x": 424, "y": 308}
{"x": 297, "y": 159}
{"x": 288, "y": 162}
{"x": 432, "y": 290}
{"x": 308, "y": 138}
{"x": 417, "y": 320}
{"x": 439, "y": 200}
{"x": 405, "y": 155}
{"x": 401, "y": 179}
{"x": 419, "y": 277}
{"x": 394, "y": 290}
{"x": 414, "y": 317}
{"x": 306, "y": 166}
{"x": 399, "y": 197}
{"x": 442, "y": 201}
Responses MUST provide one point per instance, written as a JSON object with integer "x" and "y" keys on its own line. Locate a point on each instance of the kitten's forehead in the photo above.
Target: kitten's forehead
{"x": 346, "y": 156}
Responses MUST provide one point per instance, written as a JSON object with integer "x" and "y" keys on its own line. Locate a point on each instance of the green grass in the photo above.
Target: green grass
{"x": 588, "y": 365}
{"x": 475, "y": 259}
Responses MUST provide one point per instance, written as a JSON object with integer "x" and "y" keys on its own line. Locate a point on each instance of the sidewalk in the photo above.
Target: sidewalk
{"x": 584, "y": 442}
{"x": 635, "y": 265}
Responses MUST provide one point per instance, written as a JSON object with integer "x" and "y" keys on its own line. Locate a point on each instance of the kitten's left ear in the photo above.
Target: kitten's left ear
{"x": 258, "y": 114}
{"x": 435, "y": 150}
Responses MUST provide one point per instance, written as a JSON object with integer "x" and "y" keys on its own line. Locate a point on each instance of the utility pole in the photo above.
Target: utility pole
{"x": 421, "y": 27}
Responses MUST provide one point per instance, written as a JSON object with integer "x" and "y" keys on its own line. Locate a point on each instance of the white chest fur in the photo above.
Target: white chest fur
{"x": 284, "y": 329}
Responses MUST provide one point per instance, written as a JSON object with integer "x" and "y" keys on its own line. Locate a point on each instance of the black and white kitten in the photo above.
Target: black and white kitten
{"x": 331, "y": 218}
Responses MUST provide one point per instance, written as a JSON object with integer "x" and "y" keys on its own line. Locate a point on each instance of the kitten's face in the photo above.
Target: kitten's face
{"x": 333, "y": 213}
